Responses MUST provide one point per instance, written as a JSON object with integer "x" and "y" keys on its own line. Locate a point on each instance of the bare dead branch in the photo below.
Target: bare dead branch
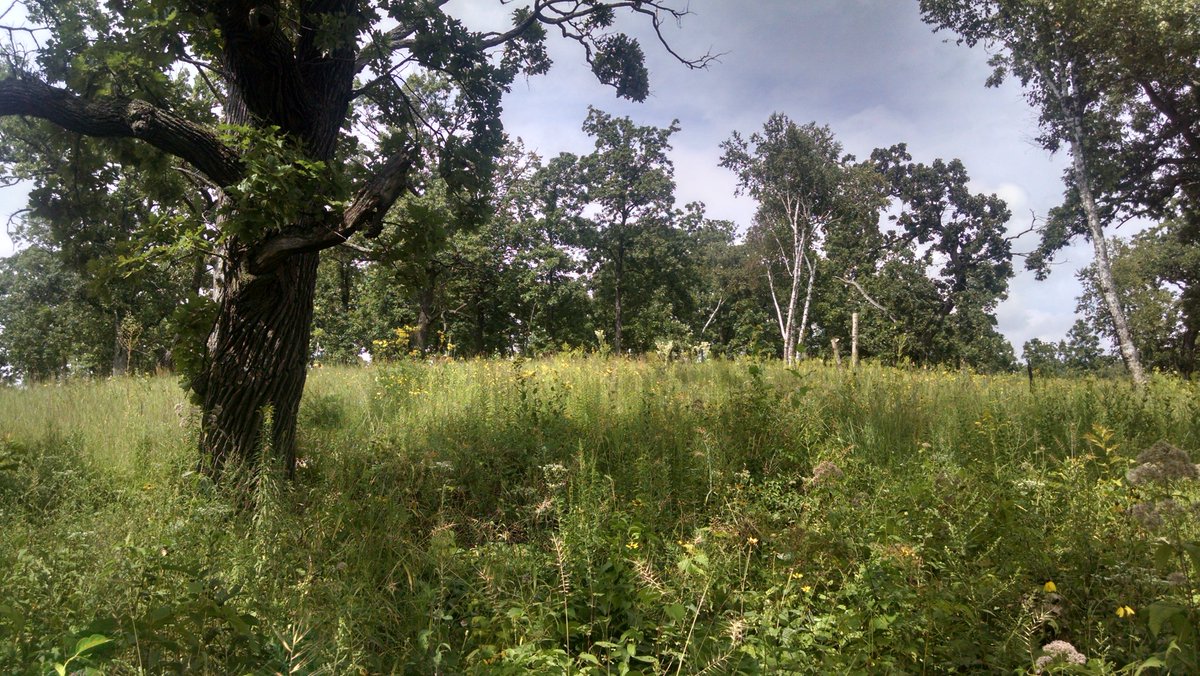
{"x": 1033, "y": 221}
{"x": 869, "y": 299}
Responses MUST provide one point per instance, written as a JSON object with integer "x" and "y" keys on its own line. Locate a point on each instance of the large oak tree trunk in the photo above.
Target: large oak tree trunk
{"x": 257, "y": 362}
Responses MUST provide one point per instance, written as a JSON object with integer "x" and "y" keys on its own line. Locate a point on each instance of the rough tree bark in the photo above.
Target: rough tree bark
{"x": 257, "y": 361}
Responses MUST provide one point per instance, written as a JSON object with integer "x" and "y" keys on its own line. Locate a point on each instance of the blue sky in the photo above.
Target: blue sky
{"x": 867, "y": 68}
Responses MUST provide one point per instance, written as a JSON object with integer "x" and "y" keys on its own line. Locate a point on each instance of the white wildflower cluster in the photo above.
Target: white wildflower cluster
{"x": 1057, "y": 654}
{"x": 555, "y": 476}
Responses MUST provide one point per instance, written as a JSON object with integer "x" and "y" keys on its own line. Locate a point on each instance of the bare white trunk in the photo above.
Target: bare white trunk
{"x": 789, "y": 338}
{"x": 792, "y": 328}
{"x": 1108, "y": 286}
{"x": 812, "y": 275}
{"x": 854, "y": 340}
{"x": 711, "y": 317}
{"x": 778, "y": 310}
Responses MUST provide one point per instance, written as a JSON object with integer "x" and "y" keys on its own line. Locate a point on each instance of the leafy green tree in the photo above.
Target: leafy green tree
{"x": 732, "y": 303}
{"x": 1145, "y": 52}
{"x": 623, "y": 201}
{"x": 1047, "y": 46}
{"x": 343, "y": 326}
{"x": 1151, "y": 271}
{"x": 717, "y": 264}
{"x": 962, "y": 235}
{"x": 96, "y": 208}
{"x": 290, "y": 82}
{"x": 1079, "y": 353}
{"x": 48, "y": 328}
{"x": 1148, "y": 48}
{"x": 1042, "y": 357}
{"x": 519, "y": 286}
{"x": 804, "y": 186}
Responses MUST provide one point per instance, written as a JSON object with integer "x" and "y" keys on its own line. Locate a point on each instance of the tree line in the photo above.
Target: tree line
{"x": 581, "y": 253}
{"x": 244, "y": 185}
{"x": 591, "y": 253}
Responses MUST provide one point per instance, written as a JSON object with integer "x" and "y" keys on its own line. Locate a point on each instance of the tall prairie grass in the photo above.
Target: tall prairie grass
{"x": 604, "y": 516}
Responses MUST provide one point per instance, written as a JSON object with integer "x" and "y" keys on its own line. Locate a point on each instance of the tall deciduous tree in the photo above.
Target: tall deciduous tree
{"x": 291, "y": 177}
{"x": 628, "y": 181}
{"x": 962, "y": 235}
{"x": 1148, "y": 50}
{"x": 1046, "y": 46}
{"x": 49, "y": 329}
{"x": 803, "y": 185}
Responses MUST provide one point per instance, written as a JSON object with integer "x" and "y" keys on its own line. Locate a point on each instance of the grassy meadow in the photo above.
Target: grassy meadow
{"x": 575, "y": 515}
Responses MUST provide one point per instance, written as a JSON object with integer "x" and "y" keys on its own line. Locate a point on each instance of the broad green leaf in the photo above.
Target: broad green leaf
{"x": 1161, "y": 612}
{"x": 89, "y": 642}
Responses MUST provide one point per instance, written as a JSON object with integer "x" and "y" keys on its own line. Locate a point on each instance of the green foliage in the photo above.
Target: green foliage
{"x": 280, "y": 186}
{"x": 602, "y": 515}
{"x": 1111, "y": 83}
{"x": 48, "y": 327}
{"x": 192, "y": 322}
{"x": 1079, "y": 353}
{"x": 940, "y": 217}
{"x": 1151, "y": 271}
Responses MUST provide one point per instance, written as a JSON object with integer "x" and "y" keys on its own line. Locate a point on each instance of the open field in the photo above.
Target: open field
{"x": 606, "y": 516}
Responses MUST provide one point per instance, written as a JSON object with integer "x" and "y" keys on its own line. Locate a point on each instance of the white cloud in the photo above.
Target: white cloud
{"x": 12, "y": 200}
{"x": 1014, "y": 195}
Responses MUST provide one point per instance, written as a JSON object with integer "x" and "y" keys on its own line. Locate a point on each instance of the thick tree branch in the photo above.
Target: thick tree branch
{"x": 365, "y": 214}
{"x": 117, "y": 118}
{"x": 1166, "y": 105}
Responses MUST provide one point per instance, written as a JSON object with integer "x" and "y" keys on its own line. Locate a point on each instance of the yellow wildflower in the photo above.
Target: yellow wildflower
{"x": 1049, "y": 587}
{"x": 1125, "y": 611}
